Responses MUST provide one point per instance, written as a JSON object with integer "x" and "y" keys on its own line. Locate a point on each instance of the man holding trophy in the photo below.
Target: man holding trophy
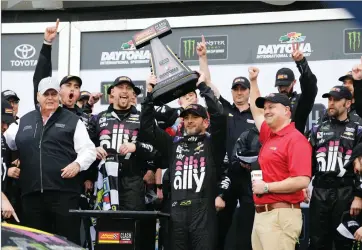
{"x": 194, "y": 160}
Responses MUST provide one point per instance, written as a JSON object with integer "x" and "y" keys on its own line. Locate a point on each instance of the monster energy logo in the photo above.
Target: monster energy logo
{"x": 104, "y": 90}
{"x": 189, "y": 48}
{"x": 354, "y": 39}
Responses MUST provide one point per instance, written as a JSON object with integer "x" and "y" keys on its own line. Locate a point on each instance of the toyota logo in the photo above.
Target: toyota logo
{"x": 24, "y": 51}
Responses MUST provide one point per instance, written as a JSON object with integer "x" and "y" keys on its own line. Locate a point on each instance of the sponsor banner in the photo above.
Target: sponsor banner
{"x": 217, "y": 48}
{"x": 352, "y": 41}
{"x": 237, "y": 44}
{"x": 20, "y": 52}
{"x": 106, "y": 84}
{"x": 115, "y": 237}
{"x": 317, "y": 113}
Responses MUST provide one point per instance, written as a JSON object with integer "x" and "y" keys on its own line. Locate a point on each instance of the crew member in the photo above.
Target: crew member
{"x": 7, "y": 118}
{"x": 334, "y": 186}
{"x": 13, "y": 99}
{"x": 285, "y": 82}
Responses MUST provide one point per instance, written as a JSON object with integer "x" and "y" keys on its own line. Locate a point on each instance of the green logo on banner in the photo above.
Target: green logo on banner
{"x": 189, "y": 48}
{"x": 104, "y": 88}
{"x": 354, "y": 39}
{"x": 352, "y": 43}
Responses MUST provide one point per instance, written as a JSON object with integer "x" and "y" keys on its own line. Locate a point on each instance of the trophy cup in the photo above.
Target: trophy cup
{"x": 174, "y": 79}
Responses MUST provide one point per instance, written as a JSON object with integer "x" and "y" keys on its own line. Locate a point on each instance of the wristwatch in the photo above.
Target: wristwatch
{"x": 159, "y": 186}
{"x": 266, "y": 188}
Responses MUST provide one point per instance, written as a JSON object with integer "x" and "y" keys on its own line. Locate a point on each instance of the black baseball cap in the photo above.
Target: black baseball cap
{"x": 195, "y": 109}
{"x": 284, "y": 77}
{"x": 348, "y": 75}
{"x": 348, "y": 226}
{"x": 242, "y": 81}
{"x": 68, "y": 78}
{"x": 7, "y": 112}
{"x": 137, "y": 90}
{"x": 275, "y": 98}
{"x": 7, "y": 94}
{"x": 119, "y": 80}
{"x": 339, "y": 92}
{"x": 84, "y": 95}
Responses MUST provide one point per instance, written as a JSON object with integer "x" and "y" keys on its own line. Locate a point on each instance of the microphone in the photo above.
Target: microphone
{"x": 256, "y": 174}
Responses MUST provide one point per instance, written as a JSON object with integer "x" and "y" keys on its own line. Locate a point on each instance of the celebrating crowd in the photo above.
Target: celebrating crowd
{"x": 196, "y": 163}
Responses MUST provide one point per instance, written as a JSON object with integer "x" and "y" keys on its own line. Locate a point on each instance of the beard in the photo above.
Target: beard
{"x": 334, "y": 113}
{"x": 123, "y": 103}
{"x": 193, "y": 131}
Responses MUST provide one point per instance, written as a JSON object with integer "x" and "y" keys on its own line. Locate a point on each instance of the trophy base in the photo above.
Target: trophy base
{"x": 165, "y": 93}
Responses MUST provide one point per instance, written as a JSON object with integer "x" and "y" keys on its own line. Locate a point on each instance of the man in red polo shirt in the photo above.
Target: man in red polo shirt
{"x": 285, "y": 161}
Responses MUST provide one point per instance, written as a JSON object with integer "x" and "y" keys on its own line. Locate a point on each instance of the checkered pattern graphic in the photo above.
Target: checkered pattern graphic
{"x": 106, "y": 190}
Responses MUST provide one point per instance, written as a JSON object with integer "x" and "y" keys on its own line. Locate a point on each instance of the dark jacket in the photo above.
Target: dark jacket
{"x": 5, "y": 164}
{"x": 335, "y": 144}
{"x": 107, "y": 130}
{"x": 206, "y": 151}
{"x": 45, "y": 150}
{"x": 357, "y": 85}
{"x": 302, "y": 104}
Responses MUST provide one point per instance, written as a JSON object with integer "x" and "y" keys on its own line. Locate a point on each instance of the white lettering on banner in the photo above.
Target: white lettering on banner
{"x": 125, "y": 57}
{"x": 285, "y": 48}
{"x": 23, "y": 63}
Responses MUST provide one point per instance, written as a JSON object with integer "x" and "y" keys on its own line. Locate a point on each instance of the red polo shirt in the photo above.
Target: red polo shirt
{"x": 284, "y": 154}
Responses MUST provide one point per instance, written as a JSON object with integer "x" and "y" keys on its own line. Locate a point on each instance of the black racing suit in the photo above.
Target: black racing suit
{"x": 194, "y": 166}
{"x": 112, "y": 128}
{"x": 357, "y": 86}
{"x": 302, "y": 104}
{"x": 5, "y": 163}
{"x": 335, "y": 184}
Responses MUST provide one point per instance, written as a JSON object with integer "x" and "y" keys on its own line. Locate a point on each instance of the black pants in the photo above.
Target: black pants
{"x": 326, "y": 209}
{"x": 164, "y": 231}
{"x": 240, "y": 190}
{"x": 49, "y": 212}
{"x": 193, "y": 226}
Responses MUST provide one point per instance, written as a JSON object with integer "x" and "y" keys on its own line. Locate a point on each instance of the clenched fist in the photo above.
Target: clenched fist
{"x": 219, "y": 203}
{"x": 151, "y": 82}
{"x": 253, "y": 73}
{"x": 357, "y": 71}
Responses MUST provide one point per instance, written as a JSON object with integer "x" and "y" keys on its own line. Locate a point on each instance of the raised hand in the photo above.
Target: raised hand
{"x": 357, "y": 71}
{"x": 253, "y": 73}
{"x": 297, "y": 54}
{"x": 151, "y": 82}
{"x": 201, "y": 47}
{"x": 51, "y": 32}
